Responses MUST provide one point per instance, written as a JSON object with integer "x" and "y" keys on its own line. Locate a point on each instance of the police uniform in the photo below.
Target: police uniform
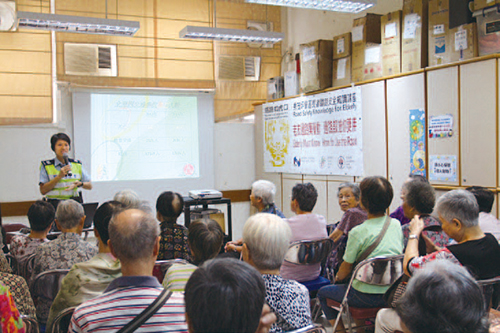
{"x": 49, "y": 170}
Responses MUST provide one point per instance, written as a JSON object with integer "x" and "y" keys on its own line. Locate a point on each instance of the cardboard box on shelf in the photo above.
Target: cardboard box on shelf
{"x": 439, "y": 37}
{"x": 342, "y": 46}
{"x": 341, "y": 74}
{"x": 391, "y": 43}
{"x": 414, "y": 36}
{"x": 481, "y": 4}
{"x": 373, "y": 62}
{"x": 488, "y": 31}
{"x": 464, "y": 42}
{"x": 316, "y": 65}
{"x": 365, "y": 33}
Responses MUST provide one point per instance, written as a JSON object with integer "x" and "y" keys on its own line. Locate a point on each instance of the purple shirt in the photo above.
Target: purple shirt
{"x": 304, "y": 227}
{"x": 398, "y": 214}
{"x": 352, "y": 218}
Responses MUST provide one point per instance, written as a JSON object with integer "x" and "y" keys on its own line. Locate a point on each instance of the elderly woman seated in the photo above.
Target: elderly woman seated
{"x": 354, "y": 215}
{"x": 376, "y": 196}
{"x": 443, "y": 297}
{"x": 266, "y": 238}
{"x": 458, "y": 212}
{"x": 419, "y": 199}
{"x": 205, "y": 239}
{"x": 305, "y": 226}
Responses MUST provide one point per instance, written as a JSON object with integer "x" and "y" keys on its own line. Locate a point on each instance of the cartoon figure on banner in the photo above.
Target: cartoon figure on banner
{"x": 417, "y": 142}
{"x": 277, "y": 140}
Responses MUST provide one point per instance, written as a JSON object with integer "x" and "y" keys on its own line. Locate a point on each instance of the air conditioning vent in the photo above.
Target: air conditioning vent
{"x": 104, "y": 57}
{"x": 90, "y": 59}
{"x": 239, "y": 68}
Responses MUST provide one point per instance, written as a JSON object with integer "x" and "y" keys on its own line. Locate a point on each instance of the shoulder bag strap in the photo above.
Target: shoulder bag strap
{"x": 147, "y": 313}
{"x": 372, "y": 247}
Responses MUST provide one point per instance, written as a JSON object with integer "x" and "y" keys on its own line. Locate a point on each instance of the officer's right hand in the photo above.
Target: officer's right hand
{"x": 64, "y": 171}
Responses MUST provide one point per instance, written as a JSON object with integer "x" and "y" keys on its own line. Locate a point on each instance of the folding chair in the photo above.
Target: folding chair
{"x": 30, "y": 324}
{"x": 45, "y": 287}
{"x": 12, "y": 263}
{"x": 379, "y": 271}
{"x": 314, "y": 328}
{"x": 62, "y": 321}
{"x": 310, "y": 253}
{"x": 26, "y": 267}
{"x": 491, "y": 292}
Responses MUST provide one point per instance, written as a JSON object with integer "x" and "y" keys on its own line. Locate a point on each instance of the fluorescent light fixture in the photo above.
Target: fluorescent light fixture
{"x": 346, "y": 6}
{"x": 231, "y": 35}
{"x": 78, "y": 24}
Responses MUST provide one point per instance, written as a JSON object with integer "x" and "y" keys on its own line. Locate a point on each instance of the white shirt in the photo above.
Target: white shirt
{"x": 489, "y": 224}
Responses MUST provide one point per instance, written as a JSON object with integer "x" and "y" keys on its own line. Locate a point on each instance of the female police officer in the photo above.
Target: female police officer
{"x": 61, "y": 177}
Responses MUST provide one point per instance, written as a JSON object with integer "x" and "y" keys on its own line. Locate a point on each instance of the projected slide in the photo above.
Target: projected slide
{"x": 139, "y": 137}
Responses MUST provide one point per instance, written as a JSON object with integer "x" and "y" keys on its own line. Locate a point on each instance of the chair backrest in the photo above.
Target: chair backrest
{"x": 314, "y": 328}
{"x": 491, "y": 291}
{"x": 62, "y": 321}
{"x": 30, "y": 324}
{"x": 161, "y": 267}
{"x": 11, "y": 229}
{"x": 13, "y": 263}
{"x": 309, "y": 252}
{"x": 380, "y": 271}
{"x": 46, "y": 285}
{"x": 26, "y": 267}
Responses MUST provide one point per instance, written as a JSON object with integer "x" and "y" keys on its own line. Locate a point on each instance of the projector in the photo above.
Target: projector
{"x": 205, "y": 194}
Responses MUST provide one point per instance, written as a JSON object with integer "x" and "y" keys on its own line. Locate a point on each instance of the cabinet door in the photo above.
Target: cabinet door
{"x": 319, "y": 182}
{"x": 403, "y": 94}
{"x": 442, "y": 99}
{"x": 374, "y": 139}
{"x": 478, "y": 137}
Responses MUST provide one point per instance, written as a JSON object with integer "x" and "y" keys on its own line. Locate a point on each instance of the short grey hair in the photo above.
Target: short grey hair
{"x": 354, "y": 187}
{"x": 135, "y": 240}
{"x": 129, "y": 198}
{"x": 460, "y": 205}
{"x": 443, "y": 297}
{"x": 267, "y": 237}
{"x": 265, "y": 190}
{"x": 69, "y": 213}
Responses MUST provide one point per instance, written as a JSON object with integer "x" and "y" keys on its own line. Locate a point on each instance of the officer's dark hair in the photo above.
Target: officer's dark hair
{"x": 376, "y": 194}
{"x": 103, "y": 216}
{"x": 169, "y": 205}
{"x": 224, "y": 295}
{"x": 484, "y": 198}
{"x": 306, "y": 196}
{"x": 57, "y": 137}
{"x": 41, "y": 215}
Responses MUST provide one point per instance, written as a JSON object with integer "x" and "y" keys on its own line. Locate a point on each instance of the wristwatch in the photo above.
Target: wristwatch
{"x": 80, "y": 185}
{"x": 413, "y": 237}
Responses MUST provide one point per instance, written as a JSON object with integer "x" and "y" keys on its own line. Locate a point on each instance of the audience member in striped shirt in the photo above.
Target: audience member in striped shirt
{"x": 134, "y": 239}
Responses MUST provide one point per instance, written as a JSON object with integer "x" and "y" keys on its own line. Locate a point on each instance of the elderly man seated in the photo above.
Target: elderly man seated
{"x": 65, "y": 251}
{"x": 89, "y": 279}
{"x": 266, "y": 239}
{"x": 134, "y": 237}
{"x": 443, "y": 297}
{"x": 458, "y": 213}
{"x": 227, "y": 295}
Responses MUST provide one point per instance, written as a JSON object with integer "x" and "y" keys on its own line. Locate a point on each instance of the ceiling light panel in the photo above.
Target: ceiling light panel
{"x": 346, "y": 6}
{"x": 231, "y": 35}
{"x": 76, "y": 24}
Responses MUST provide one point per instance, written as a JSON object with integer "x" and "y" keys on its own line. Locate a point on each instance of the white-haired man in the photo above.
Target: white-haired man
{"x": 64, "y": 251}
{"x": 135, "y": 240}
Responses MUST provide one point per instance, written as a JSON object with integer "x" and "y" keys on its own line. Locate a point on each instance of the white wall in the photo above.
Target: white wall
{"x": 307, "y": 25}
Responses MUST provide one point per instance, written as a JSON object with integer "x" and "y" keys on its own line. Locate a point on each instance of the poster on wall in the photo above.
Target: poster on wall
{"x": 417, "y": 142}
{"x": 441, "y": 126}
{"x": 443, "y": 168}
{"x": 317, "y": 134}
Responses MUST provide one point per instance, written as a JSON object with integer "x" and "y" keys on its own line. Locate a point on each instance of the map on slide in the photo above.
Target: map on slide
{"x": 139, "y": 137}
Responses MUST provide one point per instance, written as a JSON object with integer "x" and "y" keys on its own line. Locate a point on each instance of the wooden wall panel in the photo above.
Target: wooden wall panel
{"x": 185, "y": 70}
{"x": 195, "y": 10}
{"x": 25, "y": 71}
{"x": 136, "y": 68}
